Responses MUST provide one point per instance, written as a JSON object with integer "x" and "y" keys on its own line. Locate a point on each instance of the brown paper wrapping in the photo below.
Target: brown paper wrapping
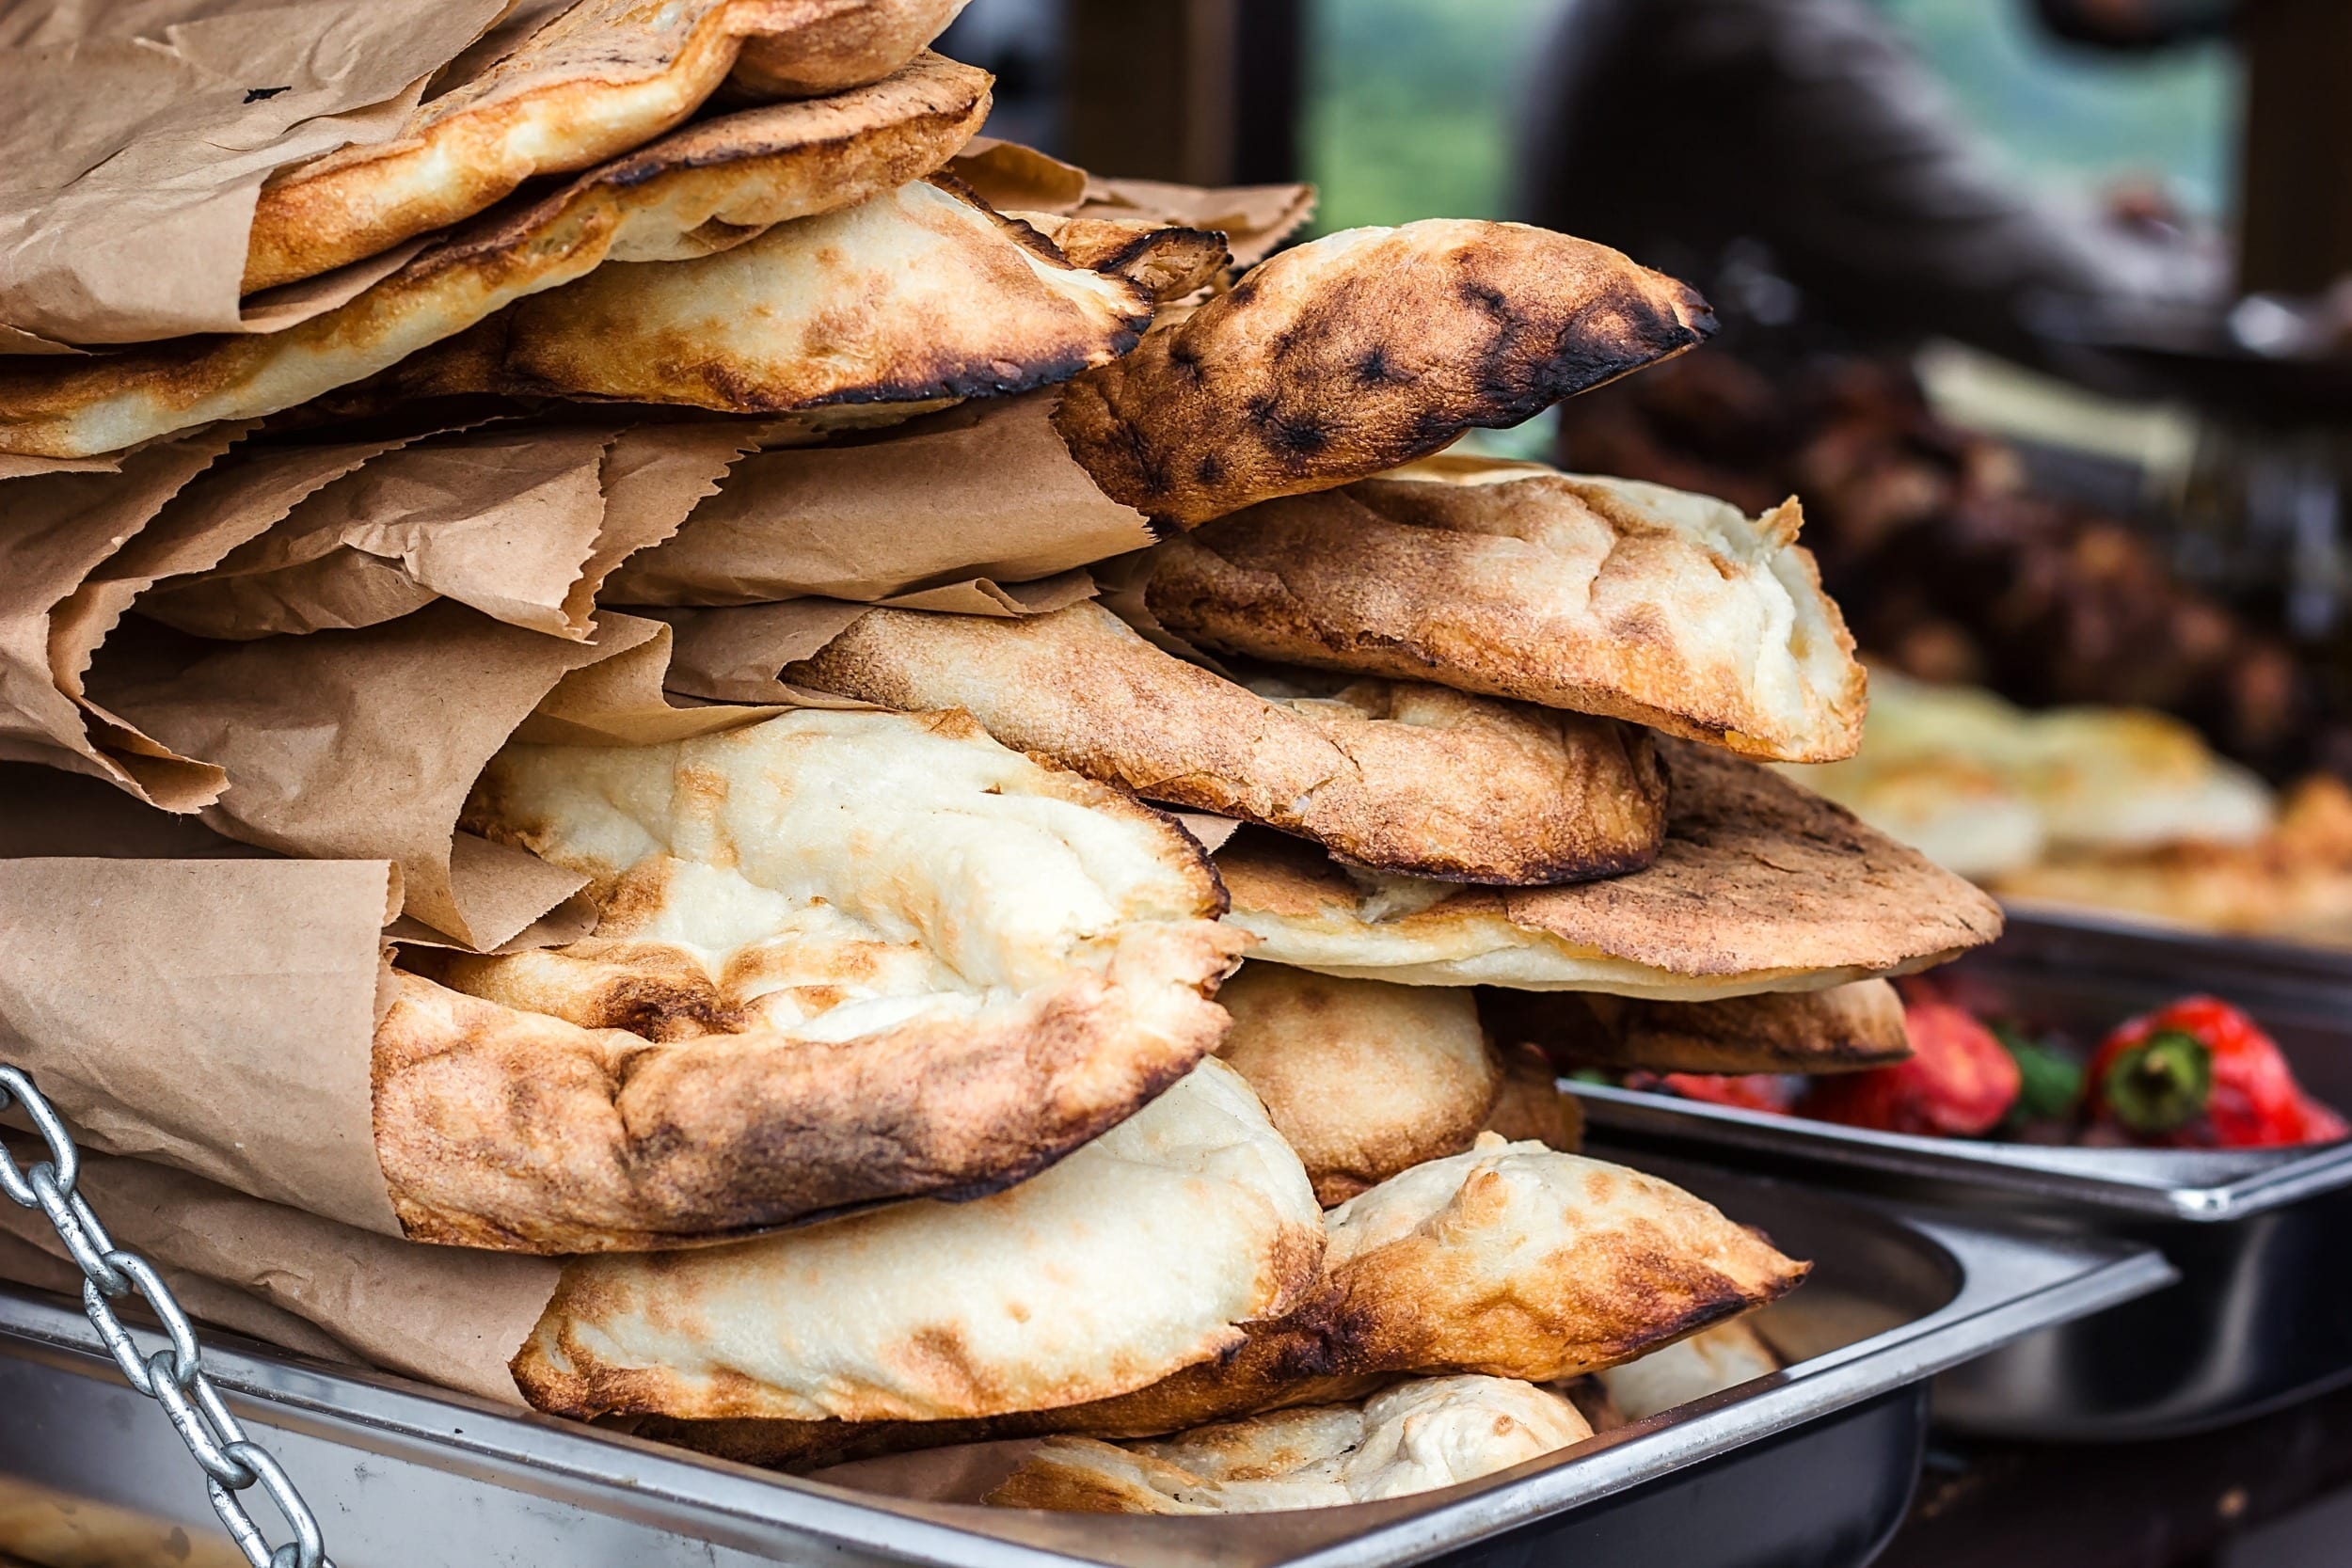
{"x": 138, "y": 134}
{"x": 523, "y": 523}
{"x": 444, "y": 1315}
{"x": 984, "y": 492}
{"x": 168, "y": 1007}
{"x": 363, "y": 744}
{"x": 1016, "y": 178}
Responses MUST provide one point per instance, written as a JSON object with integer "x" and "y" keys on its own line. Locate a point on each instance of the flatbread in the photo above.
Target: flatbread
{"x": 1142, "y": 1253}
{"x": 1405, "y": 776}
{"x": 1417, "y": 1437}
{"x": 601, "y": 78}
{"x": 698, "y": 190}
{"x": 1510, "y": 1261}
{"x": 1839, "y": 1029}
{"x": 1724, "y": 1356}
{"x": 1601, "y": 595}
{"x": 1169, "y": 260}
{"x": 1363, "y": 350}
{"x": 841, "y": 957}
{"x": 1365, "y": 1079}
{"x": 1016, "y": 178}
{"x": 1759, "y": 887}
{"x": 908, "y": 297}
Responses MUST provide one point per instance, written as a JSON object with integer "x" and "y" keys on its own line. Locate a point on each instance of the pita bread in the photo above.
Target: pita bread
{"x": 1601, "y": 595}
{"x": 1020, "y": 179}
{"x": 698, "y": 190}
{"x": 1366, "y": 1080}
{"x": 1510, "y": 1261}
{"x": 841, "y": 957}
{"x": 1363, "y": 350}
{"x": 1759, "y": 887}
{"x": 600, "y": 78}
{"x": 846, "y": 44}
{"x": 1724, "y": 1356}
{"x": 1415, "y": 1437}
{"x": 1142, "y": 1253}
{"x": 1168, "y": 260}
{"x": 1405, "y": 776}
{"x": 1833, "y": 1030}
{"x": 908, "y": 297}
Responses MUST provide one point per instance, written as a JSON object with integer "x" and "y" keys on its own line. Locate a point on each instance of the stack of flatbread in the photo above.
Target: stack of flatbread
{"x": 1080, "y": 834}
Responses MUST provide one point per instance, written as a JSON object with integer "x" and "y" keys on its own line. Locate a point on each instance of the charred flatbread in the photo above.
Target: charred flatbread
{"x": 789, "y": 1007}
{"x": 1415, "y": 1437}
{"x": 1759, "y": 887}
{"x": 909, "y": 298}
{"x": 1363, "y": 350}
{"x": 1366, "y": 1080}
{"x": 1403, "y": 776}
{"x": 1144, "y": 1252}
{"x": 697, "y": 190}
{"x": 1836, "y": 1029}
{"x": 1509, "y": 1261}
{"x": 600, "y": 78}
{"x": 1601, "y": 595}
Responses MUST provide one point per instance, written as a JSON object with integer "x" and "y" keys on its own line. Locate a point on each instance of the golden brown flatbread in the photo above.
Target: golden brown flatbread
{"x": 698, "y": 190}
{"x": 1363, "y": 350}
{"x": 1600, "y": 595}
{"x": 1405, "y": 776}
{"x": 1417, "y": 1437}
{"x": 1365, "y": 1079}
{"x": 1510, "y": 1261}
{"x": 1759, "y": 887}
{"x": 1020, "y": 179}
{"x": 599, "y": 79}
{"x": 1837, "y": 1029}
{"x": 1169, "y": 260}
{"x": 911, "y": 296}
{"x": 1142, "y": 1253}
{"x": 842, "y": 958}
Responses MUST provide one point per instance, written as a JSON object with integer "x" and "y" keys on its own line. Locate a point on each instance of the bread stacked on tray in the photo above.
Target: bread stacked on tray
{"x": 859, "y": 1026}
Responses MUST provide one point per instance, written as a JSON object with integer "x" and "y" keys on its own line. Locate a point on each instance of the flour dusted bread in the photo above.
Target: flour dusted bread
{"x": 1366, "y": 1078}
{"x": 1363, "y": 350}
{"x": 697, "y": 190}
{"x": 1402, "y": 776}
{"x": 1415, "y": 1437}
{"x": 909, "y": 298}
{"x": 1142, "y": 1253}
{"x": 1509, "y": 1261}
{"x": 842, "y": 958}
{"x": 1602, "y": 596}
{"x": 1836, "y": 1029}
{"x": 598, "y": 78}
{"x": 1759, "y": 887}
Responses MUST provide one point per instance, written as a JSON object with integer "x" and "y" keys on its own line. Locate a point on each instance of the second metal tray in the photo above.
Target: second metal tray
{"x": 1812, "y": 1465}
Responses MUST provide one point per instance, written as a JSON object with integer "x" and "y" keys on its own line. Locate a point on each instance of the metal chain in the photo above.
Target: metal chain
{"x": 173, "y": 1377}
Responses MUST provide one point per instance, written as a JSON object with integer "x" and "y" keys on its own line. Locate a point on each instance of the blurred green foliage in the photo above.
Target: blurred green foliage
{"x": 1412, "y": 105}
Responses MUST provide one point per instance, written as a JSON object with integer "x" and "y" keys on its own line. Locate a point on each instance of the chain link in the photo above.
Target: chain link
{"x": 173, "y": 1377}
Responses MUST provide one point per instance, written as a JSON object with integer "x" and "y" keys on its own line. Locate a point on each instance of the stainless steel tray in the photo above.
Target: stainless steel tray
{"x": 2259, "y": 1316}
{"x": 1813, "y": 1466}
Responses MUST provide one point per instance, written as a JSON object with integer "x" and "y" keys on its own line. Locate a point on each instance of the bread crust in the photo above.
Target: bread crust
{"x": 1363, "y": 350}
{"x": 602, "y": 77}
{"x": 1405, "y": 778}
{"x": 710, "y": 185}
{"x": 1839, "y": 1029}
{"x": 1598, "y": 595}
{"x": 1760, "y": 886}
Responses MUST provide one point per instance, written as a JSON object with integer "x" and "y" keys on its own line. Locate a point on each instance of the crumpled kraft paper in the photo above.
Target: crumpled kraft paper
{"x": 984, "y": 492}
{"x": 522, "y": 522}
{"x": 138, "y": 134}
{"x": 444, "y": 1315}
{"x": 363, "y": 744}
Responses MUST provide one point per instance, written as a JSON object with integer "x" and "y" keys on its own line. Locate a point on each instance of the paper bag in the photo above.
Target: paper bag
{"x": 1016, "y": 178}
{"x": 522, "y": 522}
{"x": 139, "y": 134}
{"x": 982, "y": 493}
{"x": 444, "y": 1315}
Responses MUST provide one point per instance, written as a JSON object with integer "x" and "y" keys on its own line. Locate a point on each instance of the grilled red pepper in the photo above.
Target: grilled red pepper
{"x": 1959, "y": 1080}
{"x": 2200, "y": 1074}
